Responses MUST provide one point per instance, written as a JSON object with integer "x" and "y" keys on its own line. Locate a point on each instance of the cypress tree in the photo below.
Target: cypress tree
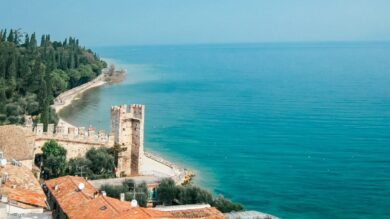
{"x": 5, "y": 34}
{"x": 16, "y": 36}
{"x": 35, "y": 78}
{"x": 33, "y": 41}
{"x": 42, "y": 41}
{"x": 44, "y": 104}
{"x": 11, "y": 36}
{"x": 11, "y": 73}
{"x": 26, "y": 40}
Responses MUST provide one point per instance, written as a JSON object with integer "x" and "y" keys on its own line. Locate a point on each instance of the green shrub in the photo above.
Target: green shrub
{"x": 224, "y": 205}
{"x": 168, "y": 193}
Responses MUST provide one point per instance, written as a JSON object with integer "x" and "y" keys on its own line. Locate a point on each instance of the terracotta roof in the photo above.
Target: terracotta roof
{"x": 105, "y": 207}
{"x": 22, "y": 187}
{"x": 82, "y": 204}
{"x": 16, "y": 142}
{"x": 67, "y": 195}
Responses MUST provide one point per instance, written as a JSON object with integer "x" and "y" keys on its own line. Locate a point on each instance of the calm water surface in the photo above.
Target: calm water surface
{"x": 295, "y": 130}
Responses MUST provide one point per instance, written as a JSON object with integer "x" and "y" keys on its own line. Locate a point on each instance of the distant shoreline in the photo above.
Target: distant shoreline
{"x": 66, "y": 98}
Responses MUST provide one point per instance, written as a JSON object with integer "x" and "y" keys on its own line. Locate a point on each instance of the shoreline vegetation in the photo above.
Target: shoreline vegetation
{"x": 32, "y": 74}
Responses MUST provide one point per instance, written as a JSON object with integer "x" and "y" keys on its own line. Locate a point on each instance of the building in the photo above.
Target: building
{"x": 127, "y": 124}
{"x": 17, "y": 143}
{"x": 20, "y": 191}
{"x": 74, "y": 197}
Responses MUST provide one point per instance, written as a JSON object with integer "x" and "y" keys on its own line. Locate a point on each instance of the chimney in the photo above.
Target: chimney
{"x": 56, "y": 187}
{"x": 104, "y": 193}
{"x": 122, "y": 197}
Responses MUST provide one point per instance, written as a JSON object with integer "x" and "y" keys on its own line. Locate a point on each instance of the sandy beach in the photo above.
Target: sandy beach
{"x": 65, "y": 99}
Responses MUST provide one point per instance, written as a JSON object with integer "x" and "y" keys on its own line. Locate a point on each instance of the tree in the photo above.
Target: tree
{"x": 33, "y": 42}
{"x": 114, "y": 191}
{"x": 54, "y": 159}
{"x": 167, "y": 191}
{"x": 59, "y": 80}
{"x": 127, "y": 187}
{"x": 128, "y": 183}
{"x": 26, "y": 41}
{"x": 79, "y": 167}
{"x": 11, "y": 36}
{"x": 142, "y": 195}
{"x": 225, "y": 205}
{"x": 115, "y": 151}
{"x": 194, "y": 195}
{"x": 103, "y": 162}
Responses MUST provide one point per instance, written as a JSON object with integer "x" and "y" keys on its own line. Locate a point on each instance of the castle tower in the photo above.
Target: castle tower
{"x": 127, "y": 126}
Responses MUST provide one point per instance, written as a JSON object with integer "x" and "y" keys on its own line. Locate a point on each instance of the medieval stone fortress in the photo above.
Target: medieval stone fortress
{"x": 127, "y": 130}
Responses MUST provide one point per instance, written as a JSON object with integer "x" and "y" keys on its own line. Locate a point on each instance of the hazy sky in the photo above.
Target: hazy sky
{"x": 126, "y": 22}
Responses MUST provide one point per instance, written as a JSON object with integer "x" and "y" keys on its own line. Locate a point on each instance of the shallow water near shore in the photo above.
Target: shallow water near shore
{"x": 295, "y": 130}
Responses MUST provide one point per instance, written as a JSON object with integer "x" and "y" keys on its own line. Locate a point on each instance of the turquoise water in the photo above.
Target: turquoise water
{"x": 295, "y": 130}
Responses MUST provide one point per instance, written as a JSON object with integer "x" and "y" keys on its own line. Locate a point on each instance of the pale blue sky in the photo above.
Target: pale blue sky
{"x": 127, "y": 22}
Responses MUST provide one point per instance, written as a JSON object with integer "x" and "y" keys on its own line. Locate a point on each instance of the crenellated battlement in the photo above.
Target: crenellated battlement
{"x": 77, "y": 134}
{"x": 135, "y": 111}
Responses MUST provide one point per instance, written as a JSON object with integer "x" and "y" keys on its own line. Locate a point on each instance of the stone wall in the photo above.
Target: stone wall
{"x": 127, "y": 125}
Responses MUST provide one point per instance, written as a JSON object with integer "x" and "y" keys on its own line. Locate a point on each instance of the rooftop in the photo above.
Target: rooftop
{"x": 16, "y": 142}
{"x": 22, "y": 187}
{"x": 86, "y": 203}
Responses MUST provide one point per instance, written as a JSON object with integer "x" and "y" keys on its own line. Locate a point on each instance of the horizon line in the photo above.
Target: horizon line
{"x": 242, "y": 43}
